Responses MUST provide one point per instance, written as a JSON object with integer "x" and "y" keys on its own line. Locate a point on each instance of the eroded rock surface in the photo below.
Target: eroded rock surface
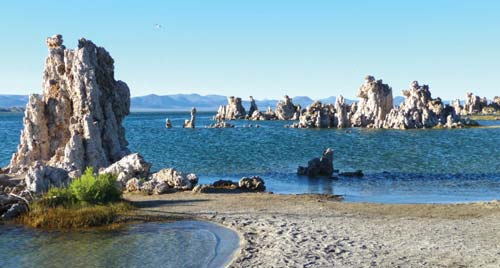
{"x": 286, "y": 110}
{"x": 474, "y": 104}
{"x": 175, "y": 179}
{"x": 253, "y": 107}
{"x": 130, "y": 166}
{"x": 232, "y": 111}
{"x": 77, "y": 122}
{"x": 420, "y": 110}
{"x": 41, "y": 178}
{"x": 190, "y": 123}
{"x": 253, "y": 184}
{"x": 375, "y": 102}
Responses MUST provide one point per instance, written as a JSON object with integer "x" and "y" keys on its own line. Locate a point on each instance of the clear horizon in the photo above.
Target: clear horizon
{"x": 265, "y": 49}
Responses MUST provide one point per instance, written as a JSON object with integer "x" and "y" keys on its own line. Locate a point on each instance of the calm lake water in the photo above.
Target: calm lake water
{"x": 412, "y": 166}
{"x": 178, "y": 244}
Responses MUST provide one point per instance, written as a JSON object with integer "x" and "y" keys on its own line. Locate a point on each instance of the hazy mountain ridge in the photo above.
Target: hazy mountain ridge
{"x": 9, "y": 101}
{"x": 184, "y": 102}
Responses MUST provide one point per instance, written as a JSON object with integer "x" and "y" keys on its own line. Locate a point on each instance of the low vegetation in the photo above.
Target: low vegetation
{"x": 485, "y": 117}
{"x": 88, "y": 201}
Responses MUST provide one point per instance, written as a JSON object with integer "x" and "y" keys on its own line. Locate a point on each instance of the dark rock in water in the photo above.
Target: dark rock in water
{"x": 319, "y": 166}
{"x": 254, "y": 184}
{"x": 168, "y": 123}
{"x": 253, "y": 107}
{"x": 14, "y": 211}
{"x": 225, "y": 184}
{"x": 357, "y": 174}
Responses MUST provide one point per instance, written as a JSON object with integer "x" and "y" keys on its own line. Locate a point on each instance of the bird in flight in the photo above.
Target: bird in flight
{"x": 158, "y": 26}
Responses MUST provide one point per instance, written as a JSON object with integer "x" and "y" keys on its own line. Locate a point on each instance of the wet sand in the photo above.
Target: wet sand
{"x": 319, "y": 231}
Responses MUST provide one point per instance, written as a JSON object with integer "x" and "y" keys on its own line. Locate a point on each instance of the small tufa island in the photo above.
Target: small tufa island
{"x": 375, "y": 109}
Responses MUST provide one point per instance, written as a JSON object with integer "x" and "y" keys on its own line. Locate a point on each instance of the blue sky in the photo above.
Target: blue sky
{"x": 264, "y": 48}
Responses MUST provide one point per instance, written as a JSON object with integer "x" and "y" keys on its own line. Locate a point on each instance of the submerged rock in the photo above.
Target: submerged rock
{"x": 14, "y": 211}
{"x": 190, "y": 123}
{"x": 356, "y": 174}
{"x": 168, "y": 123}
{"x": 319, "y": 166}
{"x": 232, "y": 111}
{"x": 221, "y": 124}
{"x": 77, "y": 122}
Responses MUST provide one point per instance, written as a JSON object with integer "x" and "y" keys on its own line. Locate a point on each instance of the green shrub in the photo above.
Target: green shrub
{"x": 58, "y": 197}
{"x": 95, "y": 190}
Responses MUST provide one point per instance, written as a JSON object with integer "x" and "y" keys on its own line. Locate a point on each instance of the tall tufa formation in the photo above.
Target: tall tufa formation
{"x": 286, "y": 110}
{"x": 474, "y": 104}
{"x": 189, "y": 123}
{"x": 375, "y": 102}
{"x": 77, "y": 122}
{"x": 232, "y": 111}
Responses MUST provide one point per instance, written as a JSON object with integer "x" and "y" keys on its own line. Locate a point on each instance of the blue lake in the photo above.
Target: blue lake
{"x": 190, "y": 244}
{"x": 412, "y": 166}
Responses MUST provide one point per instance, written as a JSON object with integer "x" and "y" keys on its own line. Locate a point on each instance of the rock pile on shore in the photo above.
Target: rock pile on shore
{"x": 246, "y": 184}
{"x": 163, "y": 181}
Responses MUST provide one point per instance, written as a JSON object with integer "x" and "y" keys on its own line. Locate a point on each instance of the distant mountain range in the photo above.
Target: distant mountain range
{"x": 8, "y": 101}
{"x": 184, "y": 102}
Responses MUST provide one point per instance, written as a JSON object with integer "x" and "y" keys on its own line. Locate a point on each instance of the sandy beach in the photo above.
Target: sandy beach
{"x": 319, "y": 231}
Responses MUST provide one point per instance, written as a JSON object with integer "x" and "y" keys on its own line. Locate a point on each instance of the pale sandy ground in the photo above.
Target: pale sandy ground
{"x": 316, "y": 231}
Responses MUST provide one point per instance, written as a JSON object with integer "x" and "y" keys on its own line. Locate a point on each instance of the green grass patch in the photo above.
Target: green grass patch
{"x": 77, "y": 216}
{"x": 89, "y": 201}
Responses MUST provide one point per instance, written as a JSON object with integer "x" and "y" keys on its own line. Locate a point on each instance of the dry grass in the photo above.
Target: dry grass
{"x": 76, "y": 217}
{"x": 485, "y": 117}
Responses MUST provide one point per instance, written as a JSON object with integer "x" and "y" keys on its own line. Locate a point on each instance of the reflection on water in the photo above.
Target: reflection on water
{"x": 178, "y": 244}
{"x": 410, "y": 166}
